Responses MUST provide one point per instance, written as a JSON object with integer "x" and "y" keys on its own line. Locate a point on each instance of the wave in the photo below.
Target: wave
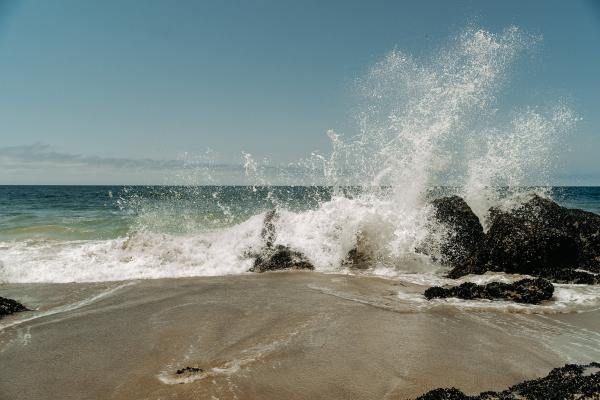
{"x": 424, "y": 122}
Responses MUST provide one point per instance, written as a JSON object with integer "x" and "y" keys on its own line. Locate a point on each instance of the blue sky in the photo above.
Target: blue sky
{"x": 116, "y": 91}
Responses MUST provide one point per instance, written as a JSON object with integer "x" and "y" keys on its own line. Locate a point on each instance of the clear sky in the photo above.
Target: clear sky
{"x": 114, "y": 91}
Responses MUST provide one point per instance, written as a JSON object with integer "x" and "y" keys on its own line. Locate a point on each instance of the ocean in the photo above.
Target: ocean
{"x": 97, "y": 264}
{"x": 421, "y": 123}
{"x": 110, "y": 233}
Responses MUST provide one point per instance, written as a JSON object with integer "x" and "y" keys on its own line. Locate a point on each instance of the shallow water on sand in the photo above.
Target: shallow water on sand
{"x": 305, "y": 335}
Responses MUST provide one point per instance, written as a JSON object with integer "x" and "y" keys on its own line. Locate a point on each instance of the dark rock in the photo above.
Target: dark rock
{"x": 572, "y": 381}
{"x": 359, "y": 257}
{"x": 356, "y": 259}
{"x": 268, "y": 232}
{"x": 531, "y": 291}
{"x": 462, "y": 233}
{"x": 276, "y": 257}
{"x": 9, "y": 306}
{"x": 539, "y": 238}
{"x": 444, "y": 394}
{"x": 573, "y": 276}
{"x": 189, "y": 370}
{"x": 280, "y": 257}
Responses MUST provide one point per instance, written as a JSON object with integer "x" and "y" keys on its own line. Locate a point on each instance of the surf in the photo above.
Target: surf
{"x": 426, "y": 126}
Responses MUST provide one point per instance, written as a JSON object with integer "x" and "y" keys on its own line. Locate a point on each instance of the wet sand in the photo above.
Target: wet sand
{"x": 292, "y": 335}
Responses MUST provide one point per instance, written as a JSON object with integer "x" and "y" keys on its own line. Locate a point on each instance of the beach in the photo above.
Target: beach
{"x": 294, "y": 335}
{"x": 271, "y": 201}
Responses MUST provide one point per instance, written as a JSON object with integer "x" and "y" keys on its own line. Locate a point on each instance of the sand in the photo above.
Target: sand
{"x": 285, "y": 335}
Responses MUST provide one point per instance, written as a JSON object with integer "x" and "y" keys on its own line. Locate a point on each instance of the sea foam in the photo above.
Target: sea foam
{"x": 422, "y": 122}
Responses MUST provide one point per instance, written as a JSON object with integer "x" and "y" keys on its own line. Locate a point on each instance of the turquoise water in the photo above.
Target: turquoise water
{"x": 107, "y": 233}
{"x": 106, "y": 212}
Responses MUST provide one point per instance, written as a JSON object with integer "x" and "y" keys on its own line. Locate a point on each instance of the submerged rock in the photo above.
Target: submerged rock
{"x": 568, "y": 382}
{"x": 189, "y": 370}
{"x": 10, "y": 306}
{"x": 280, "y": 257}
{"x": 463, "y": 234}
{"x": 539, "y": 238}
{"x": 530, "y": 291}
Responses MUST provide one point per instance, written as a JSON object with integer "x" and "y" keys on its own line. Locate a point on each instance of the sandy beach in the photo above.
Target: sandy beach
{"x": 271, "y": 200}
{"x": 294, "y": 335}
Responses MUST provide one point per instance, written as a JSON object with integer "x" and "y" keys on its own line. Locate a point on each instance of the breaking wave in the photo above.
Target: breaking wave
{"x": 423, "y": 123}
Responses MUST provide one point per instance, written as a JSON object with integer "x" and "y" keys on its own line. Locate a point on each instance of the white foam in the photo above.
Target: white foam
{"x": 423, "y": 122}
{"x": 141, "y": 255}
{"x": 65, "y": 308}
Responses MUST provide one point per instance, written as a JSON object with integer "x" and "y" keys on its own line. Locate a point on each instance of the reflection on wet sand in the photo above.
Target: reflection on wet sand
{"x": 296, "y": 335}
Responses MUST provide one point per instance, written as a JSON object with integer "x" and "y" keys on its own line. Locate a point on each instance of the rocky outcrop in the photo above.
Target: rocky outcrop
{"x": 268, "y": 232}
{"x": 544, "y": 239}
{"x": 277, "y": 257}
{"x": 568, "y": 382}
{"x": 461, "y": 232}
{"x": 280, "y": 257}
{"x": 359, "y": 256}
{"x": 10, "y": 306}
{"x": 530, "y": 291}
{"x": 538, "y": 238}
{"x": 356, "y": 259}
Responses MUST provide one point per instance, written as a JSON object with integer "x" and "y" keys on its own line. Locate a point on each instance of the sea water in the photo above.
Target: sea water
{"x": 95, "y": 233}
{"x": 426, "y": 126}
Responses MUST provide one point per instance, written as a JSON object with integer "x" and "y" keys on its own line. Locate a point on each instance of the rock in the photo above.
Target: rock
{"x": 9, "y": 306}
{"x": 539, "y": 238}
{"x": 356, "y": 259}
{"x": 276, "y": 257}
{"x": 573, "y": 276}
{"x": 530, "y": 291}
{"x": 359, "y": 257}
{"x": 444, "y": 394}
{"x": 462, "y": 233}
{"x": 189, "y": 370}
{"x": 280, "y": 257}
{"x": 568, "y": 382}
{"x": 268, "y": 232}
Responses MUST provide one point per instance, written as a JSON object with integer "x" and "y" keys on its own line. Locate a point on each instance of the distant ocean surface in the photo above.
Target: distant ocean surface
{"x": 108, "y": 212}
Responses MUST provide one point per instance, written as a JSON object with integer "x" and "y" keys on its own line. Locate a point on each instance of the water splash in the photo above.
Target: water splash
{"x": 434, "y": 122}
{"x": 423, "y": 122}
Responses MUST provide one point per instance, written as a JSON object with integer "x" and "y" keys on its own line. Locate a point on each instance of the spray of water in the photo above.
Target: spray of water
{"x": 423, "y": 122}
{"x": 417, "y": 116}
{"x": 428, "y": 122}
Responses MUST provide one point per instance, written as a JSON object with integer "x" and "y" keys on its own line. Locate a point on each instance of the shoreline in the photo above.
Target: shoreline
{"x": 292, "y": 334}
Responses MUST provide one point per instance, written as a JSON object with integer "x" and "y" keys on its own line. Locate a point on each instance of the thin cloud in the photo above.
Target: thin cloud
{"x": 39, "y": 153}
{"x": 39, "y": 163}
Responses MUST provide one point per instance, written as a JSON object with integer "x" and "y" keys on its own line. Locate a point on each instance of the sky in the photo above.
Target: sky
{"x": 123, "y": 92}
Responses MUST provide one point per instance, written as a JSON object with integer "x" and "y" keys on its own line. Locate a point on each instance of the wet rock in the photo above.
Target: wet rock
{"x": 280, "y": 257}
{"x": 539, "y": 238}
{"x": 356, "y": 259}
{"x": 10, "y": 306}
{"x": 568, "y": 382}
{"x": 189, "y": 370}
{"x": 268, "y": 232}
{"x": 530, "y": 291}
{"x": 277, "y": 257}
{"x": 359, "y": 257}
{"x": 444, "y": 394}
{"x": 462, "y": 235}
